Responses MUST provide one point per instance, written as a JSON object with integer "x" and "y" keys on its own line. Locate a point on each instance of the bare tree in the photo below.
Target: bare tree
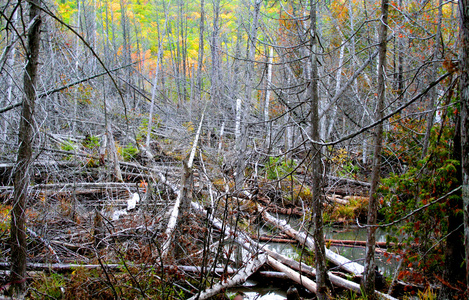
{"x": 23, "y": 161}
{"x": 317, "y": 166}
{"x": 370, "y": 266}
{"x": 245, "y": 109}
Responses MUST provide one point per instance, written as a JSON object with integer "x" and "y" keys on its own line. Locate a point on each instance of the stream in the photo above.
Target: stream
{"x": 386, "y": 266}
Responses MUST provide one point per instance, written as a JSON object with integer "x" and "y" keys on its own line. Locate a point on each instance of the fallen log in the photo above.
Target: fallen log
{"x": 252, "y": 246}
{"x": 353, "y": 243}
{"x": 274, "y": 240}
{"x": 272, "y": 275}
{"x": 342, "y": 262}
{"x": 239, "y": 278}
{"x": 336, "y": 280}
{"x": 76, "y": 185}
{"x": 64, "y": 267}
{"x": 337, "y": 200}
{"x": 285, "y": 211}
{"x": 293, "y": 275}
{"x": 349, "y": 181}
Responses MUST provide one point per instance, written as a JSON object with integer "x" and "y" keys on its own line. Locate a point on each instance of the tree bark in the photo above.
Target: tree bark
{"x": 305, "y": 239}
{"x": 433, "y": 75}
{"x": 454, "y": 251}
{"x": 241, "y": 144}
{"x": 370, "y": 266}
{"x": 183, "y": 200}
{"x": 464, "y": 93}
{"x": 317, "y": 168}
{"x": 25, "y": 139}
{"x": 242, "y": 275}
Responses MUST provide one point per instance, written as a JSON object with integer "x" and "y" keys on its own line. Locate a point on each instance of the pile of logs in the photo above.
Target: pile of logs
{"x": 259, "y": 256}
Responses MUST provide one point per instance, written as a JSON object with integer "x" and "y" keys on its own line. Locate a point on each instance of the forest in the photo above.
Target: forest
{"x": 243, "y": 149}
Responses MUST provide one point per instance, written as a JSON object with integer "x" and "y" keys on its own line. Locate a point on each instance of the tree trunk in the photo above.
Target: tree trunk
{"x": 25, "y": 136}
{"x": 370, "y": 266}
{"x": 317, "y": 169}
{"x": 268, "y": 91}
{"x": 242, "y": 143}
{"x": 464, "y": 92}
{"x": 454, "y": 251}
{"x": 433, "y": 75}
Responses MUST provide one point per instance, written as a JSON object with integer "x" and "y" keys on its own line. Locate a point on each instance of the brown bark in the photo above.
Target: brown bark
{"x": 464, "y": 93}
{"x": 25, "y": 138}
{"x": 317, "y": 169}
{"x": 454, "y": 251}
{"x": 370, "y": 266}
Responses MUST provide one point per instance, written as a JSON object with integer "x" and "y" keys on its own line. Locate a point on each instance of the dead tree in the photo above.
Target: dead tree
{"x": 25, "y": 151}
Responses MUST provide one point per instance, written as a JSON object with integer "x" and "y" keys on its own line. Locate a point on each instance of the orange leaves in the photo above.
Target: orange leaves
{"x": 143, "y": 184}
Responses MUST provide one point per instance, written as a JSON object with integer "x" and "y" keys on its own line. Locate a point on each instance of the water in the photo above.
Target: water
{"x": 259, "y": 293}
{"x": 386, "y": 265}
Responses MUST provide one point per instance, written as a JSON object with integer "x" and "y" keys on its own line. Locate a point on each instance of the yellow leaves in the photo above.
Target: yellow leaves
{"x": 189, "y": 126}
{"x": 129, "y": 14}
{"x": 67, "y": 10}
{"x": 196, "y": 15}
{"x": 339, "y": 9}
{"x": 115, "y": 7}
{"x": 340, "y": 156}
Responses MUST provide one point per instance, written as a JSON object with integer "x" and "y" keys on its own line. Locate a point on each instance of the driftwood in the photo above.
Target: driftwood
{"x": 243, "y": 274}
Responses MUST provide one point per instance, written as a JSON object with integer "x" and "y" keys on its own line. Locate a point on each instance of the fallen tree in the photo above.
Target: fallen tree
{"x": 241, "y": 276}
{"x": 303, "y": 238}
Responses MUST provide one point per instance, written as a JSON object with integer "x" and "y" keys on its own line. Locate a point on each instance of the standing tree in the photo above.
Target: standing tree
{"x": 313, "y": 96}
{"x": 369, "y": 274}
{"x": 464, "y": 92}
{"x": 25, "y": 139}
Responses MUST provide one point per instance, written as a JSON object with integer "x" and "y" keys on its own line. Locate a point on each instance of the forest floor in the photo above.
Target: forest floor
{"x": 92, "y": 237}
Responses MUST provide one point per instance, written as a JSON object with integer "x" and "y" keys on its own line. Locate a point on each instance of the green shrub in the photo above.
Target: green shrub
{"x": 68, "y": 146}
{"x": 129, "y": 152}
{"x": 91, "y": 142}
{"x": 278, "y": 168}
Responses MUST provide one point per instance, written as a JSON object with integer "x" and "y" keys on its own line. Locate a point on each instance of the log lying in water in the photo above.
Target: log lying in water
{"x": 336, "y": 280}
{"x": 342, "y": 262}
{"x": 237, "y": 279}
{"x": 293, "y": 275}
{"x": 354, "y": 243}
{"x": 273, "y": 259}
